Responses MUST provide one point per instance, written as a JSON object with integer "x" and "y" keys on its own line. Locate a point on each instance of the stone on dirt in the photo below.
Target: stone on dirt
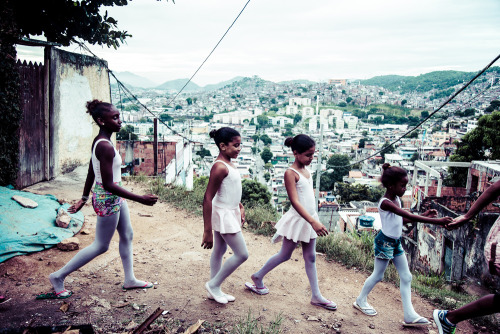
{"x": 69, "y": 244}
{"x": 63, "y": 219}
{"x": 25, "y": 202}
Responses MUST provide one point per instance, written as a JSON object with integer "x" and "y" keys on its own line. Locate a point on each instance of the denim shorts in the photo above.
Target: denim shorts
{"x": 387, "y": 248}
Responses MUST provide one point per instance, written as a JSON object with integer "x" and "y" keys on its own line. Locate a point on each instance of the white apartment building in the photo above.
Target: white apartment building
{"x": 313, "y": 124}
{"x": 471, "y": 124}
{"x": 352, "y": 122}
{"x": 299, "y": 101}
{"x": 307, "y": 112}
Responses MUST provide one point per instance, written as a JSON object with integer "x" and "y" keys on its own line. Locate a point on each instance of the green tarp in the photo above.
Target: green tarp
{"x": 24, "y": 230}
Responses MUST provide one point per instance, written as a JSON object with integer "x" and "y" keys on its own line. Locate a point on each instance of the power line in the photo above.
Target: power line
{"x": 215, "y": 47}
{"x": 425, "y": 119}
{"x": 126, "y": 90}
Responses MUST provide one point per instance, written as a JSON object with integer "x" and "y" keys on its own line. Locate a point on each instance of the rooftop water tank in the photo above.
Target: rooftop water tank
{"x": 366, "y": 221}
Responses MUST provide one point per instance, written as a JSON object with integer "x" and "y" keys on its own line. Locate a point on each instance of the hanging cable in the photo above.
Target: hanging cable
{"x": 125, "y": 89}
{"x": 425, "y": 119}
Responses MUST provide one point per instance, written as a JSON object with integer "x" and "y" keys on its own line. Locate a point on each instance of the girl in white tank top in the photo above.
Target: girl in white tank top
{"x": 387, "y": 244}
{"x": 223, "y": 214}
{"x": 112, "y": 210}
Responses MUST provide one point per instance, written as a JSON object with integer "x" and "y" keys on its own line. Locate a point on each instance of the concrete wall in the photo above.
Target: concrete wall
{"x": 141, "y": 155}
{"x": 427, "y": 250}
{"x": 74, "y": 80}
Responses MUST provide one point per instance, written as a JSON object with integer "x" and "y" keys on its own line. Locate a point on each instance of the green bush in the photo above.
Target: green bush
{"x": 259, "y": 219}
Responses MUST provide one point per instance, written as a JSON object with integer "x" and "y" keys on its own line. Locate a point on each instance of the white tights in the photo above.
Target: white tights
{"x": 401, "y": 264}
{"x": 219, "y": 272}
{"x": 287, "y": 248}
{"x": 105, "y": 228}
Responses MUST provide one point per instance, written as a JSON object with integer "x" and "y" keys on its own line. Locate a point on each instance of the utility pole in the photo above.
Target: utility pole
{"x": 318, "y": 169}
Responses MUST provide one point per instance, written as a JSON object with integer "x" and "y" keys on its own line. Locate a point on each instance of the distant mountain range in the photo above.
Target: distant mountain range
{"x": 422, "y": 83}
{"x": 137, "y": 81}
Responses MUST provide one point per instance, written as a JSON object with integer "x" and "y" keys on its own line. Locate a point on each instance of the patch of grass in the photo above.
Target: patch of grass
{"x": 260, "y": 219}
{"x": 355, "y": 250}
{"x": 253, "y": 325}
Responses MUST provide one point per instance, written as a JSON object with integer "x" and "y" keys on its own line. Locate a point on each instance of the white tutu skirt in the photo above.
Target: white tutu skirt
{"x": 293, "y": 227}
{"x": 226, "y": 221}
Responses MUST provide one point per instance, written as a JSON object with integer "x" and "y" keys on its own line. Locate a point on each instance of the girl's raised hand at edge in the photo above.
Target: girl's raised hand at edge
{"x": 76, "y": 207}
{"x": 457, "y": 222}
{"x": 319, "y": 228}
{"x": 208, "y": 240}
{"x": 149, "y": 199}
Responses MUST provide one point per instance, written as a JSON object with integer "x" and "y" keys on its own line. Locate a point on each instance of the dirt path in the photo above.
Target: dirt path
{"x": 167, "y": 250}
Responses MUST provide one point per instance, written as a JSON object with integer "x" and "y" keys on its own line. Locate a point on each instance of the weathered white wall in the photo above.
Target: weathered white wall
{"x": 74, "y": 80}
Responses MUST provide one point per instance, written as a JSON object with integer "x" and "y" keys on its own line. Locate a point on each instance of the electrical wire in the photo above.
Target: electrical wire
{"x": 425, "y": 119}
{"x": 125, "y": 89}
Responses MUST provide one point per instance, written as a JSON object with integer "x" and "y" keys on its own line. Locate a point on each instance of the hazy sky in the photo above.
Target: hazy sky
{"x": 290, "y": 39}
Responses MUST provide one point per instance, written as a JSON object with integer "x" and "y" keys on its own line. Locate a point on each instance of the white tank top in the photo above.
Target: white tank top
{"x": 229, "y": 194}
{"x": 117, "y": 163}
{"x": 392, "y": 224}
{"x": 305, "y": 192}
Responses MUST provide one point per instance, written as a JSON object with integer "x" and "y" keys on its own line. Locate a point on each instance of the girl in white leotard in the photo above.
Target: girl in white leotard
{"x": 224, "y": 214}
{"x": 108, "y": 202}
{"x": 300, "y": 224}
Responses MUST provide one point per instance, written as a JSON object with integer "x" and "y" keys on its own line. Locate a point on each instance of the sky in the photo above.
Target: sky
{"x": 317, "y": 40}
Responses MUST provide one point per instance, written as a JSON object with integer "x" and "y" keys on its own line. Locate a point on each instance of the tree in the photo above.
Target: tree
{"x": 254, "y": 193}
{"x": 263, "y": 120}
{"x": 204, "y": 153}
{"x": 63, "y": 21}
{"x": 297, "y": 118}
{"x": 166, "y": 117}
{"x": 342, "y": 104}
{"x": 403, "y": 103}
{"x": 126, "y": 133}
{"x": 348, "y": 100}
{"x": 362, "y": 142}
{"x": 414, "y": 157}
{"x": 130, "y": 107}
{"x": 339, "y": 166}
{"x": 189, "y": 101}
{"x": 268, "y": 166}
{"x": 424, "y": 114}
{"x": 266, "y": 139}
{"x": 358, "y": 192}
{"x": 177, "y": 107}
{"x": 387, "y": 148}
{"x": 478, "y": 144}
{"x": 267, "y": 176}
{"x": 494, "y": 105}
{"x": 266, "y": 154}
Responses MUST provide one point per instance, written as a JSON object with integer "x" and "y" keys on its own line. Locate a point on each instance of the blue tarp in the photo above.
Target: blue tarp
{"x": 24, "y": 230}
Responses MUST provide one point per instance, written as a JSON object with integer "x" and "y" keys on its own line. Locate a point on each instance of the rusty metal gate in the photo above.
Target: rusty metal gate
{"x": 32, "y": 131}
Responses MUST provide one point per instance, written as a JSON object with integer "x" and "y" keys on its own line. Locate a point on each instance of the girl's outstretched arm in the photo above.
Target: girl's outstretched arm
{"x": 291, "y": 179}
{"x": 217, "y": 174}
{"x": 486, "y": 198}
{"x": 89, "y": 182}
{"x": 410, "y": 217}
{"x": 105, "y": 152}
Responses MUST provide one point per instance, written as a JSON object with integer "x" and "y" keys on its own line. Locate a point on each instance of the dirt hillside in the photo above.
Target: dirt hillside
{"x": 167, "y": 251}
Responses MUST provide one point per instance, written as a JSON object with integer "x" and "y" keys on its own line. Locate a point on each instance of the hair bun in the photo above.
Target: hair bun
{"x": 91, "y": 105}
{"x": 288, "y": 142}
{"x": 386, "y": 166}
{"x": 212, "y": 133}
